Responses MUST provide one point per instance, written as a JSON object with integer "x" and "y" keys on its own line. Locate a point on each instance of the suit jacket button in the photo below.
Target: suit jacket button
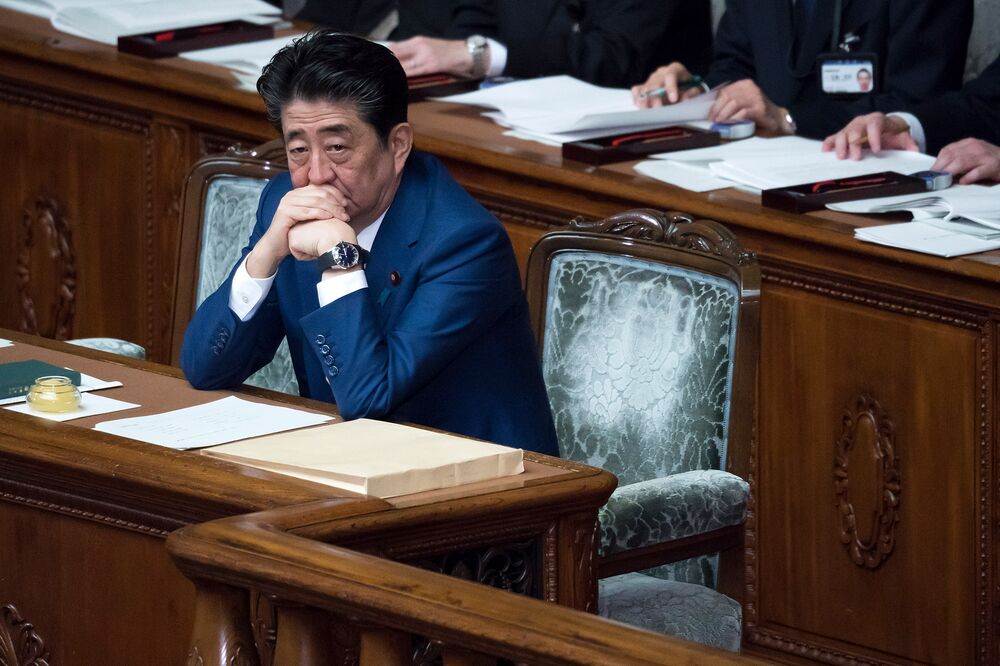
{"x": 328, "y": 360}
{"x": 325, "y": 349}
{"x": 320, "y": 339}
{"x": 334, "y": 371}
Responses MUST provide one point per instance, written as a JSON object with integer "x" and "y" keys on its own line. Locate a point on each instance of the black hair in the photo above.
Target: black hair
{"x": 328, "y": 66}
{"x": 863, "y": 69}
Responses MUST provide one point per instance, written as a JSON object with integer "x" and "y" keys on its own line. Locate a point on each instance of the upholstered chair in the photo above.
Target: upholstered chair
{"x": 219, "y": 207}
{"x": 647, "y": 325}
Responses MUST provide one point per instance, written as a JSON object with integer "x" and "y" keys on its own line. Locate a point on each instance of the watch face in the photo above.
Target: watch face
{"x": 346, "y": 255}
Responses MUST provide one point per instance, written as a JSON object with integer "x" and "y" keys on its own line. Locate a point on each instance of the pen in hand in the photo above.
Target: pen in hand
{"x": 693, "y": 82}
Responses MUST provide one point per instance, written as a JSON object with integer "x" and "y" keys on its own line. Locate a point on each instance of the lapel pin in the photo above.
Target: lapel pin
{"x": 395, "y": 278}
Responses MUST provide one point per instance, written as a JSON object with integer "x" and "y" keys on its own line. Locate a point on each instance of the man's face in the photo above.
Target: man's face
{"x": 327, "y": 143}
{"x": 864, "y": 81}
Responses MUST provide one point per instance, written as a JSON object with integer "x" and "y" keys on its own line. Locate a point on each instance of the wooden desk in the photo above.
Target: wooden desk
{"x": 873, "y": 532}
{"x": 83, "y": 516}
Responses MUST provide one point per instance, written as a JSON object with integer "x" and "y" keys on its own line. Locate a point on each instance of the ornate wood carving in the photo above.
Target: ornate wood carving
{"x": 672, "y": 228}
{"x": 511, "y": 567}
{"x": 864, "y": 425}
{"x": 20, "y": 645}
{"x": 264, "y": 625}
{"x": 45, "y": 222}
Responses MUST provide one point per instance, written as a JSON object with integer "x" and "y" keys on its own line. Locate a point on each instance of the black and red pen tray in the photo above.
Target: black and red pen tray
{"x": 638, "y": 144}
{"x": 814, "y": 196}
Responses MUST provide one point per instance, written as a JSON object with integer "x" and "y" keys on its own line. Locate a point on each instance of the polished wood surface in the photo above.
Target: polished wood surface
{"x": 394, "y": 607}
{"x": 873, "y": 530}
{"x": 83, "y": 516}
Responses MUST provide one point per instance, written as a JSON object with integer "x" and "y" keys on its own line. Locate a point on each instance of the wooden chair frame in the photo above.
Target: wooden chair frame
{"x": 705, "y": 246}
{"x": 265, "y": 161}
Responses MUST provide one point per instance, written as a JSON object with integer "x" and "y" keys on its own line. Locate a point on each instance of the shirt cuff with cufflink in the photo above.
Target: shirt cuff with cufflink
{"x": 246, "y": 293}
{"x": 916, "y": 128}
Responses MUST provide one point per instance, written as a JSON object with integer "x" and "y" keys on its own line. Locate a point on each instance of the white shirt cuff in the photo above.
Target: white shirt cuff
{"x": 916, "y": 128}
{"x": 330, "y": 289}
{"x": 498, "y": 58}
{"x": 247, "y": 293}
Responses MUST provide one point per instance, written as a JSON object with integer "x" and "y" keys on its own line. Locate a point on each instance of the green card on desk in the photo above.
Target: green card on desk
{"x": 17, "y": 377}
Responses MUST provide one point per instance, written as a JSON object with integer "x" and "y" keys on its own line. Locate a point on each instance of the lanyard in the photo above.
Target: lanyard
{"x": 792, "y": 63}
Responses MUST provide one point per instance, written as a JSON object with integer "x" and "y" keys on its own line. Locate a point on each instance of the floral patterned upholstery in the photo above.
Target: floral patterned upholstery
{"x": 229, "y": 216}
{"x": 688, "y": 611}
{"x": 111, "y": 345}
{"x": 637, "y": 361}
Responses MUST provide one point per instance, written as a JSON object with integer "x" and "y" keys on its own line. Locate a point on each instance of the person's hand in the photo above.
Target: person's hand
{"x": 876, "y": 130}
{"x": 975, "y": 158}
{"x": 744, "y": 100}
{"x": 308, "y": 240}
{"x": 668, "y": 79}
{"x": 427, "y": 55}
{"x": 302, "y": 204}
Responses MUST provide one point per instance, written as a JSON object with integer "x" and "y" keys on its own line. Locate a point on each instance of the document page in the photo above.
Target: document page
{"x": 218, "y": 422}
{"x": 246, "y": 58}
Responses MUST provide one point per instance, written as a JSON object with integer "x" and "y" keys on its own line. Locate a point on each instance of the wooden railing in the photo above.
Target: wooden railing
{"x": 336, "y": 605}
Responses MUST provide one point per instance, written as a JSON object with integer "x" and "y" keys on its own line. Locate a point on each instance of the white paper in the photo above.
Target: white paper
{"x": 682, "y": 174}
{"x": 107, "y": 22}
{"x": 48, "y": 8}
{"x": 217, "y": 422}
{"x": 978, "y": 203}
{"x": 797, "y": 169}
{"x": 558, "y": 104}
{"x": 754, "y": 147}
{"x": 248, "y": 58}
{"x": 926, "y": 238}
{"x": 90, "y": 405}
{"x": 87, "y": 383}
{"x": 5, "y": 343}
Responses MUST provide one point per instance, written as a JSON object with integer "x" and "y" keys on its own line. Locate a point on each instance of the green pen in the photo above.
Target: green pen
{"x": 693, "y": 82}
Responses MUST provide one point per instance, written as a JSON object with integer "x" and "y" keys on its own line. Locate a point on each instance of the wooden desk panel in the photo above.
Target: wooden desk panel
{"x": 84, "y": 514}
{"x": 840, "y": 319}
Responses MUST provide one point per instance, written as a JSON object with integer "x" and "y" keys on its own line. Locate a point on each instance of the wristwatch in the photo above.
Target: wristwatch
{"x": 343, "y": 255}
{"x": 478, "y": 47}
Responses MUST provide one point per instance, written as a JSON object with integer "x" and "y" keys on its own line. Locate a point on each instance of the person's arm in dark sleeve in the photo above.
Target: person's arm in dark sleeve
{"x": 733, "y": 59}
{"x": 973, "y": 111}
{"x": 601, "y": 41}
{"x": 464, "y": 290}
{"x": 924, "y": 57}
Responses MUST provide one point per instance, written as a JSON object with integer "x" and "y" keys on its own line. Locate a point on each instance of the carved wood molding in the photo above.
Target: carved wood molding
{"x": 585, "y": 564}
{"x": 20, "y": 644}
{"x": 482, "y": 534}
{"x": 671, "y": 228}
{"x": 88, "y": 510}
{"x": 880, "y": 298}
{"x": 864, "y": 424}
{"x": 75, "y": 108}
{"x": 45, "y": 221}
{"x": 799, "y": 648}
{"x": 524, "y": 215}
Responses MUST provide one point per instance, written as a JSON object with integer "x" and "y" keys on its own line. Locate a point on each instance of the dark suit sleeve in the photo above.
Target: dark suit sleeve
{"x": 219, "y": 350}
{"x": 923, "y": 56}
{"x": 606, "y": 42}
{"x": 973, "y": 111}
{"x": 466, "y": 285}
{"x": 733, "y": 59}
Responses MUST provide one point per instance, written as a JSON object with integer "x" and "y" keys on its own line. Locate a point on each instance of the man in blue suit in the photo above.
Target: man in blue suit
{"x": 398, "y": 293}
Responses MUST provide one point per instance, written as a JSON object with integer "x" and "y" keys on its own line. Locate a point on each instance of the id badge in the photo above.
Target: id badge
{"x": 848, "y": 74}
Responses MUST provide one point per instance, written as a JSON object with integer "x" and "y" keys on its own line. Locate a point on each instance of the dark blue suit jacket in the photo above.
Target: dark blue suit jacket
{"x": 449, "y": 346}
{"x": 921, "y": 47}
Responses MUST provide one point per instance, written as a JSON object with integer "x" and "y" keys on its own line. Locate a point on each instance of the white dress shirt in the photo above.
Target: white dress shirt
{"x": 247, "y": 293}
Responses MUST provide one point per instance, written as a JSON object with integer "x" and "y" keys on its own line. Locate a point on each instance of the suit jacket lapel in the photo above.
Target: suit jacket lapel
{"x": 397, "y": 238}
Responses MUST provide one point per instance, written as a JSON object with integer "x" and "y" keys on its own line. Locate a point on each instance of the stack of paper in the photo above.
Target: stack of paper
{"x": 246, "y": 60}
{"x": 963, "y": 219}
{"x": 106, "y": 20}
{"x": 376, "y": 458}
{"x": 759, "y": 163}
{"x": 556, "y": 109}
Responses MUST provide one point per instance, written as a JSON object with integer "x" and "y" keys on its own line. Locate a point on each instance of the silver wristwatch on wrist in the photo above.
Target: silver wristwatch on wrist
{"x": 478, "y": 48}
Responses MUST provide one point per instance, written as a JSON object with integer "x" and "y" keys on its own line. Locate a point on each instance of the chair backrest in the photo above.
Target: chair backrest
{"x": 219, "y": 210}
{"x": 648, "y": 328}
